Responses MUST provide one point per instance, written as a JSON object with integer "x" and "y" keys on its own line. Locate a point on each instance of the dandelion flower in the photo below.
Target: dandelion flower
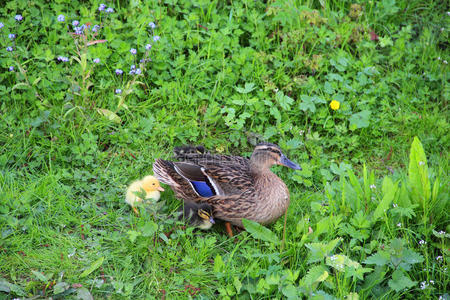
{"x": 335, "y": 105}
{"x": 61, "y": 18}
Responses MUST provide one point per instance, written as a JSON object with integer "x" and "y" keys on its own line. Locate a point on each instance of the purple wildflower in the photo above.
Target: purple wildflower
{"x": 96, "y": 60}
{"x": 152, "y": 25}
{"x": 18, "y": 18}
{"x": 61, "y": 18}
{"x": 102, "y": 7}
{"x": 118, "y": 91}
{"x": 138, "y": 71}
{"x": 156, "y": 38}
{"x": 132, "y": 70}
{"x": 11, "y": 68}
{"x": 95, "y": 28}
{"x": 9, "y": 49}
{"x": 75, "y": 23}
{"x": 148, "y": 47}
{"x": 11, "y": 36}
{"x": 63, "y": 58}
{"x": 119, "y": 72}
{"x": 1, "y": 25}
{"x": 133, "y": 51}
{"x": 110, "y": 10}
{"x": 79, "y": 30}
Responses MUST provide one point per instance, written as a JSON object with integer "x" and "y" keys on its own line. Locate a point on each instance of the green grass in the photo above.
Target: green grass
{"x": 368, "y": 212}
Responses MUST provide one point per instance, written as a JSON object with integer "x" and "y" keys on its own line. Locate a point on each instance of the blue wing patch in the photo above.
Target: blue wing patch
{"x": 202, "y": 188}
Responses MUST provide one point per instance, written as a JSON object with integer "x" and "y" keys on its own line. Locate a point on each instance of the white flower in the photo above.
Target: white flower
{"x": 399, "y": 225}
{"x": 422, "y": 242}
{"x": 439, "y": 258}
{"x": 373, "y": 186}
{"x": 423, "y": 285}
{"x": 394, "y": 205}
{"x": 421, "y": 163}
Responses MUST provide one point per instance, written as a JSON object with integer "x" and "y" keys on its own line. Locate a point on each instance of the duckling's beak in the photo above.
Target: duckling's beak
{"x": 159, "y": 188}
{"x": 211, "y": 220}
{"x": 284, "y": 161}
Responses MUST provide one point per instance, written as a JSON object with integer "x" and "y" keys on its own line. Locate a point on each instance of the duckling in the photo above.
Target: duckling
{"x": 198, "y": 214}
{"x": 149, "y": 184}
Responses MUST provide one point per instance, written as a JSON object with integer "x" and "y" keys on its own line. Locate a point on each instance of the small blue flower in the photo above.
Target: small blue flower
{"x": 1, "y": 25}
{"x": 156, "y": 38}
{"x": 9, "y": 49}
{"x": 138, "y": 71}
{"x": 11, "y": 36}
{"x": 148, "y": 47}
{"x": 110, "y": 10}
{"x": 18, "y": 18}
{"x": 132, "y": 72}
{"x": 95, "y": 28}
{"x": 75, "y": 23}
{"x": 152, "y": 25}
{"x": 11, "y": 68}
{"x": 119, "y": 72}
{"x": 79, "y": 30}
{"x": 102, "y": 7}
{"x": 133, "y": 51}
{"x": 96, "y": 60}
{"x": 63, "y": 58}
{"x": 61, "y": 18}
{"x": 118, "y": 91}
{"x": 132, "y": 67}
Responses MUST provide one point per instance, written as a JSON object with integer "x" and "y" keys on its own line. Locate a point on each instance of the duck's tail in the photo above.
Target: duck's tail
{"x": 162, "y": 170}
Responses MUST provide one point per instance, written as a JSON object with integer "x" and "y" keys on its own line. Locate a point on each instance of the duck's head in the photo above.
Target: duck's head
{"x": 205, "y": 214}
{"x": 151, "y": 184}
{"x": 266, "y": 155}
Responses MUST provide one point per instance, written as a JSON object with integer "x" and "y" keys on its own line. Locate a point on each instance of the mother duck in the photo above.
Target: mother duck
{"x": 236, "y": 187}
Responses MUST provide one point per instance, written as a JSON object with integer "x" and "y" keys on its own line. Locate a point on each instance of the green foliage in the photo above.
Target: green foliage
{"x": 225, "y": 74}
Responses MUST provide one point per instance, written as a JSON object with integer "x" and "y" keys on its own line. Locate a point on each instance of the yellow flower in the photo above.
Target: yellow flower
{"x": 335, "y": 105}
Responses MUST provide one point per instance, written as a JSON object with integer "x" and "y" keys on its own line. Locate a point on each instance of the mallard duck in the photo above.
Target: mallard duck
{"x": 235, "y": 187}
{"x": 149, "y": 185}
{"x": 197, "y": 214}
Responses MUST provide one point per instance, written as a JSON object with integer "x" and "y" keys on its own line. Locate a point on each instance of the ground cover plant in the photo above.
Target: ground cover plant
{"x": 355, "y": 92}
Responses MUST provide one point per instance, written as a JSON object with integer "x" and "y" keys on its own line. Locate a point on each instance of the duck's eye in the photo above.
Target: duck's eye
{"x": 153, "y": 183}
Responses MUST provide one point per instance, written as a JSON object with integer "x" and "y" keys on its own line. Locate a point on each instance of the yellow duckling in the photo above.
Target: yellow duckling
{"x": 149, "y": 184}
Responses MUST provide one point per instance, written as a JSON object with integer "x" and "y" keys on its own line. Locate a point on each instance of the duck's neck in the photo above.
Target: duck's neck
{"x": 260, "y": 165}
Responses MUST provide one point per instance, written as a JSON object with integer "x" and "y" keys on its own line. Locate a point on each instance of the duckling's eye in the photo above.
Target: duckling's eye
{"x": 153, "y": 183}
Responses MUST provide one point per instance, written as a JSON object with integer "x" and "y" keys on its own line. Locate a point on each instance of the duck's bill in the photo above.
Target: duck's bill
{"x": 288, "y": 163}
{"x": 159, "y": 188}
{"x": 211, "y": 220}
